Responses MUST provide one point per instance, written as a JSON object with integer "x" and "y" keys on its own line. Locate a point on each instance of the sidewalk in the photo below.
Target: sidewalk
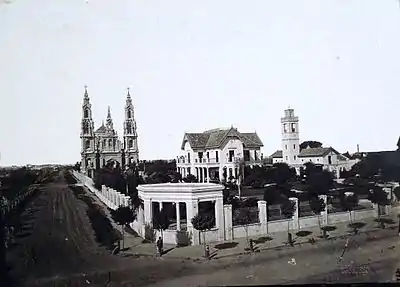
{"x": 237, "y": 246}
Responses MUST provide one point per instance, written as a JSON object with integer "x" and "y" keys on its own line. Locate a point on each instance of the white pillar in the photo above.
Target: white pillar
{"x": 295, "y": 218}
{"x": 219, "y": 217}
{"x": 262, "y": 216}
{"x": 178, "y": 216}
{"x": 228, "y": 228}
{"x": 148, "y": 214}
{"x": 192, "y": 208}
{"x": 160, "y": 205}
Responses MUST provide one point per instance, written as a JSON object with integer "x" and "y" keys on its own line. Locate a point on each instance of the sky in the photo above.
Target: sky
{"x": 197, "y": 65}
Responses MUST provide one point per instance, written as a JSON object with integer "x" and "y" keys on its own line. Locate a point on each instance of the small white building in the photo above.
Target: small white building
{"x": 291, "y": 153}
{"x": 206, "y": 155}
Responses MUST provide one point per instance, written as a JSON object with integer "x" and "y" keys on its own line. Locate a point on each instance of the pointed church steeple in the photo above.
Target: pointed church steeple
{"x": 130, "y": 132}
{"x": 109, "y": 122}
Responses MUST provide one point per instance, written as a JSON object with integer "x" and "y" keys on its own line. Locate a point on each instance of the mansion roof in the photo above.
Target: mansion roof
{"x": 215, "y": 138}
{"x": 309, "y": 152}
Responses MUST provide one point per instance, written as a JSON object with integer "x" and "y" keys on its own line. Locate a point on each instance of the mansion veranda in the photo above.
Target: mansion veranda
{"x": 186, "y": 200}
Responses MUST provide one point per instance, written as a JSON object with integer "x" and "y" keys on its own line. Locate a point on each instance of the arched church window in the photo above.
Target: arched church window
{"x": 86, "y": 113}
{"x": 110, "y": 143}
{"x": 104, "y": 143}
{"x": 293, "y": 128}
{"x": 85, "y": 128}
{"x": 87, "y": 144}
{"x": 128, "y": 128}
{"x": 130, "y": 143}
{"x": 129, "y": 114}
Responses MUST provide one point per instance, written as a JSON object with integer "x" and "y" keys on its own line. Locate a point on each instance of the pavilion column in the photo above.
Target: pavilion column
{"x": 208, "y": 175}
{"x": 160, "y": 205}
{"x": 192, "y": 208}
{"x": 178, "y": 216}
{"x": 219, "y": 217}
{"x": 148, "y": 212}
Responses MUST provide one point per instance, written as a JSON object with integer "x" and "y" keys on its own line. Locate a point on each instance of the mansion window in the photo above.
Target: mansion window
{"x": 188, "y": 157}
{"x": 294, "y": 157}
{"x": 294, "y": 146}
{"x": 285, "y": 146}
{"x": 216, "y": 156}
{"x": 104, "y": 143}
{"x": 110, "y": 143}
{"x": 285, "y": 128}
{"x": 87, "y": 144}
{"x": 231, "y": 155}
{"x": 255, "y": 155}
{"x": 246, "y": 155}
{"x": 200, "y": 155}
{"x": 130, "y": 143}
{"x": 293, "y": 128}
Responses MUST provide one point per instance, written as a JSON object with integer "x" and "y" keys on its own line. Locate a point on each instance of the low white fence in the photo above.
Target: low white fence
{"x": 110, "y": 197}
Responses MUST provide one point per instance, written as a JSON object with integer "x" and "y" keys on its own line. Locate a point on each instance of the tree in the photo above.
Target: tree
{"x": 378, "y": 196}
{"x": 396, "y": 192}
{"x": 203, "y": 222}
{"x": 311, "y": 144}
{"x": 349, "y": 203}
{"x": 317, "y": 206}
{"x": 161, "y": 221}
{"x": 319, "y": 182}
{"x": 243, "y": 216}
{"x": 288, "y": 207}
{"x": 283, "y": 173}
{"x": 123, "y": 215}
{"x": 190, "y": 178}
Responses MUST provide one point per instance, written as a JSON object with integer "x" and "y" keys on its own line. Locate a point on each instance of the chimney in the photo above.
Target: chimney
{"x": 358, "y": 148}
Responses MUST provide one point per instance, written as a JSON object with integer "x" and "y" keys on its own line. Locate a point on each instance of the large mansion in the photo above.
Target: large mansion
{"x": 327, "y": 157}
{"x": 217, "y": 153}
{"x": 102, "y": 146}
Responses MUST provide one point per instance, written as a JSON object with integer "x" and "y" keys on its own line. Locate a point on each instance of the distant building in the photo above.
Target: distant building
{"x": 207, "y": 155}
{"x": 327, "y": 157}
{"x": 102, "y": 146}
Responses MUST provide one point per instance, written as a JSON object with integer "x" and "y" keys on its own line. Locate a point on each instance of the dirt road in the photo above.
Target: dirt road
{"x": 58, "y": 226}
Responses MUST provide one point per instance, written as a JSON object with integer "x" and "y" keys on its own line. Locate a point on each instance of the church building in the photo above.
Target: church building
{"x": 102, "y": 146}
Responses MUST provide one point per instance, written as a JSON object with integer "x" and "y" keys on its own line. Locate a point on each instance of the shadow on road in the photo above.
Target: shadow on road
{"x": 105, "y": 233}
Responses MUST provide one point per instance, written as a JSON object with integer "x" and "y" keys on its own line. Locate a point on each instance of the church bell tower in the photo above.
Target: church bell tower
{"x": 87, "y": 134}
{"x": 131, "y": 149}
{"x": 290, "y": 137}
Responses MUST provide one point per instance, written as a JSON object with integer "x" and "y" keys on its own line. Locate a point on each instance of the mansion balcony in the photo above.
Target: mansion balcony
{"x": 216, "y": 162}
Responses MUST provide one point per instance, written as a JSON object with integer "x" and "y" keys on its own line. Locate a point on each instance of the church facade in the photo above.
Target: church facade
{"x": 102, "y": 146}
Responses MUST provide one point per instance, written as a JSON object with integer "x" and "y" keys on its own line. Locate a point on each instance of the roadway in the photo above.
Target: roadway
{"x": 58, "y": 227}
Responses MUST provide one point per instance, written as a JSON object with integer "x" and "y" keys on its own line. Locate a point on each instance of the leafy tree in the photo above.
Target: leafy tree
{"x": 317, "y": 206}
{"x": 175, "y": 177}
{"x": 378, "y": 196}
{"x": 161, "y": 221}
{"x": 288, "y": 208}
{"x": 190, "y": 178}
{"x": 349, "y": 203}
{"x": 311, "y": 144}
{"x": 243, "y": 216}
{"x": 272, "y": 194}
{"x": 319, "y": 182}
{"x": 77, "y": 166}
{"x": 283, "y": 174}
{"x": 123, "y": 215}
{"x": 203, "y": 222}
